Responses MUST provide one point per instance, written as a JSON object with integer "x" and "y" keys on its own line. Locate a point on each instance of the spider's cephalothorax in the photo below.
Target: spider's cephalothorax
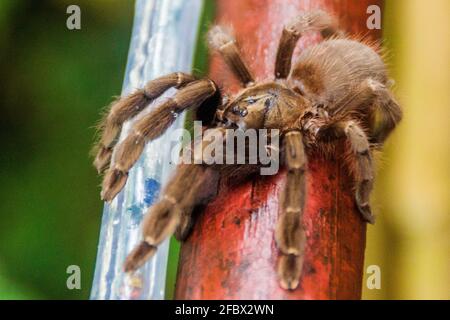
{"x": 269, "y": 105}
{"x": 336, "y": 89}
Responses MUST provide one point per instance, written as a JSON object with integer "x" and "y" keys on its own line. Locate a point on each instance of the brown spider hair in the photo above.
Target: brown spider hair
{"x": 335, "y": 90}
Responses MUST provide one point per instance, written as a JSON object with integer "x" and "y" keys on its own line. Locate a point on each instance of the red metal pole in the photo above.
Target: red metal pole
{"x": 231, "y": 253}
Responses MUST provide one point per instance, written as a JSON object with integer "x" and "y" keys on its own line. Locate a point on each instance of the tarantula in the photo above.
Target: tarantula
{"x": 336, "y": 89}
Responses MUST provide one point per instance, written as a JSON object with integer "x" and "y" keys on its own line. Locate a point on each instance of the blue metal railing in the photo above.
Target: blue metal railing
{"x": 163, "y": 40}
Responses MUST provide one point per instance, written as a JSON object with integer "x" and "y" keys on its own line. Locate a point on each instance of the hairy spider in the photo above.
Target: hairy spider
{"x": 336, "y": 89}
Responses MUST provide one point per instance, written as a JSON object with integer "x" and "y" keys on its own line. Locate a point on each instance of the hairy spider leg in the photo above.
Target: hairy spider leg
{"x": 150, "y": 127}
{"x": 223, "y": 41}
{"x": 290, "y": 234}
{"x": 125, "y": 108}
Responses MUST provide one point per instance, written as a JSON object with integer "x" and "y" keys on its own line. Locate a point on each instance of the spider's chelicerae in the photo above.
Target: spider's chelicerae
{"x": 336, "y": 89}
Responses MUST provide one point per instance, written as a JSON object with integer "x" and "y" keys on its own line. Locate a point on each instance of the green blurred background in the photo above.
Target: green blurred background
{"x": 55, "y": 82}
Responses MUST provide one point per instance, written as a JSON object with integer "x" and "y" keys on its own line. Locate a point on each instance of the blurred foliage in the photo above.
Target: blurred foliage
{"x": 410, "y": 241}
{"x": 55, "y": 83}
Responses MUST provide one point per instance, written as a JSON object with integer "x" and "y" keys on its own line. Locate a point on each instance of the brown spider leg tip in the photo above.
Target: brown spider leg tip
{"x": 366, "y": 212}
{"x": 288, "y": 284}
{"x": 102, "y": 159}
{"x": 101, "y": 165}
{"x": 140, "y": 254}
{"x": 289, "y": 270}
{"x": 113, "y": 182}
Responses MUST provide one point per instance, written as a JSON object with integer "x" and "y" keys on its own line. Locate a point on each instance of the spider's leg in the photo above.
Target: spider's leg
{"x": 371, "y": 93}
{"x": 185, "y": 190}
{"x": 150, "y": 127}
{"x": 190, "y": 186}
{"x": 361, "y": 162}
{"x": 222, "y": 40}
{"x": 311, "y": 21}
{"x": 390, "y": 111}
{"x": 290, "y": 234}
{"x": 129, "y": 106}
{"x": 362, "y": 169}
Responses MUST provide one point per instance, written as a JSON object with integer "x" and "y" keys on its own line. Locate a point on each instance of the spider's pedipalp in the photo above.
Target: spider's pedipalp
{"x": 310, "y": 21}
{"x": 161, "y": 220}
{"x": 222, "y": 40}
{"x": 150, "y": 127}
{"x": 121, "y": 110}
{"x": 289, "y": 233}
{"x": 128, "y": 107}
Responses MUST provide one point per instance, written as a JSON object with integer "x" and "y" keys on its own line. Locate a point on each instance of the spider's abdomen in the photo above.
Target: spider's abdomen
{"x": 325, "y": 72}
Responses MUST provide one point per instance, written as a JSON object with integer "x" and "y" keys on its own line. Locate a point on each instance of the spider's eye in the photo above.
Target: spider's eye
{"x": 239, "y": 111}
{"x": 267, "y": 103}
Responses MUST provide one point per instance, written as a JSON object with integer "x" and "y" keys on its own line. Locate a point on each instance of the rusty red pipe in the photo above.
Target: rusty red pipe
{"x": 231, "y": 253}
